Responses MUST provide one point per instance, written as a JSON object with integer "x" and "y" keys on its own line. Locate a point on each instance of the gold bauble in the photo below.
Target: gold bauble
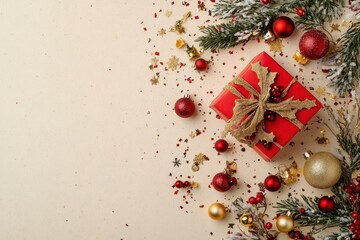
{"x": 285, "y": 223}
{"x": 246, "y": 219}
{"x": 322, "y": 169}
{"x": 216, "y": 211}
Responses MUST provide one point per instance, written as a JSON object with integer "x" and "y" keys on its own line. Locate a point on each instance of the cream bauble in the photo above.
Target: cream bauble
{"x": 322, "y": 169}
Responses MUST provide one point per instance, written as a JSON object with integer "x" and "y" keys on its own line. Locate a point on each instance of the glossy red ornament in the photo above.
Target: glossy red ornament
{"x": 268, "y": 225}
{"x": 326, "y": 204}
{"x": 187, "y": 184}
{"x": 300, "y": 12}
{"x": 252, "y": 200}
{"x": 201, "y": 64}
{"x": 222, "y": 182}
{"x": 266, "y": 1}
{"x": 179, "y": 184}
{"x": 314, "y": 44}
{"x": 184, "y": 107}
{"x": 221, "y": 145}
{"x": 283, "y": 27}
{"x": 272, "y": 183}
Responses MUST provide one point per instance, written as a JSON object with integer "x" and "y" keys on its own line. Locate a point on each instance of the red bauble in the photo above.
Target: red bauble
{"x": 184, "y": 107}
{"x": 268, "y": 225}
{"x": 266, "y": 1}
{"x": 283, "y": 27}
{"x": 221, "y": 145}
{"x": 272, "y": 183}
{"x": 179, "y": 184}
{"x": 300, "y": 12}
{"x": 201, "y": 64}
{"x": 223, "y": 182}
{"x": 326, "y": 204}
{"x": 314, "y": 44}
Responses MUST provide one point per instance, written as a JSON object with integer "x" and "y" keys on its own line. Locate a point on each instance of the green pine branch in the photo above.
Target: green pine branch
{"x": 253, "y": 18}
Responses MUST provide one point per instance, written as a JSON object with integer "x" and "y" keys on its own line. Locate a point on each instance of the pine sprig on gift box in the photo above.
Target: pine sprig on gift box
{"x": 252, "y": 18}
{"x": 343, "y": 65}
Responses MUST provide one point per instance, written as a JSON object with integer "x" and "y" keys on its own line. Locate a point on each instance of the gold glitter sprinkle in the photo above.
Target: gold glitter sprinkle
{"x": 154, "y": 60}
{"x": 154, "y": 80}
{"x": 194, "y": 184}
{"x": 180, "y": 43}
{"x": 168, "y": 13}
{"x": 201, "y": 7}
{"x": 242, "y": 59}
{"x": 320, "y": 91}
{"x": 333, "y": 96}
{"x": 173, "y": 63}
{"x": 192, "y": 135}
{"x": 300, "y": 58}
{"x": 276, "y": 45}
{"x": 161, "y": 32}
{"x": 201, "y": 27}
{"x": 192, "y": 52}
{"x": 335, "y": 27}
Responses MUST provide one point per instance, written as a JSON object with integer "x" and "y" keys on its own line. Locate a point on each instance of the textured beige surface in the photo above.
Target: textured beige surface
{"x": 87, "y": 142}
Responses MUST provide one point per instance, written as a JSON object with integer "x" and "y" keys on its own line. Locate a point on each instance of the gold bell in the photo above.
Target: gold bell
{"x": 246, "y": 219}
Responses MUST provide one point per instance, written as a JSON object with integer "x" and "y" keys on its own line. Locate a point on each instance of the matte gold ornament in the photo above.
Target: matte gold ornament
{"x": 216, "y": 211}
{"x": 285, "y": 223}
{"x": 322, "y": 169}
{"x": 246, "y": 219}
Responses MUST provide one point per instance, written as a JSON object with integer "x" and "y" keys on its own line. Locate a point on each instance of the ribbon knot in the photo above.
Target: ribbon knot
{"x": 247, "y": 122}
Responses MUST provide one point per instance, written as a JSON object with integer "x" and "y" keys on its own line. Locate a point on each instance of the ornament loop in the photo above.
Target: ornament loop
{"x": 308, "y": 154}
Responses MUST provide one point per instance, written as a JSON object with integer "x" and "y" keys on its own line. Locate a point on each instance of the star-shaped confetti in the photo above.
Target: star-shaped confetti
{"x": 320, "y": 91}
{"x": 231, "y": 225}
{"x": 161, "y": 32}
{"x": 201, "y": 7}
{"x": 192, "y": 135}
{"x": 200, "y": 158}
{"x": 173, "y": 63}
{"x": 154, "y": 60}
{"x": 154, "y": 80}
{"x": 168, "y": 13}
{"x": 335, "y": 27}
{"x": 276, "y": 45}
{"x": 176, "y": 162}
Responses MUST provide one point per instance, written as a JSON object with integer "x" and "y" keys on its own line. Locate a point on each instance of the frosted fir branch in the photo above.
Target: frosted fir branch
{"x": 346, "y": 235}
{"x": 355, "y": 7}
{"x": 342, "y": 67}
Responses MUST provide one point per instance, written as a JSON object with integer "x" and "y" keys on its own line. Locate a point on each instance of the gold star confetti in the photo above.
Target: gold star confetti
{"x": 155, "y": 79}
{"x": 335, "y": 27}
{"x": 168, "y": 13}
{"x": 201, "y": 27}
{"x": 300, "y": 58}
{"x": 173, "y": 63}
{"x": 201, "y": 7}
{"x": 200, "y": 158}
{"x": 192, "y": 135}
{"x": 161, "y": 32}
{"x": 320, "y": 91}
{"x": 333, "y": 96}
{"x": 276, "y": 45}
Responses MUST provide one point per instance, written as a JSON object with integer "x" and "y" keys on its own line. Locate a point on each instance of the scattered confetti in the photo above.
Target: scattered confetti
{"x": 173, "y": 63}
{"x": 276, "y": 45}
{"x": 335, "y": 27}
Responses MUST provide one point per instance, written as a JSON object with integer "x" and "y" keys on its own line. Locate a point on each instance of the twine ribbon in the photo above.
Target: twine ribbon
{"x": 254, "y": 108}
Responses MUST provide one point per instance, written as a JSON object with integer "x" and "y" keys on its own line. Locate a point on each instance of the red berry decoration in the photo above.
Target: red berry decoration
{"x": 300, "y": 12}
{"x": 179, "y": 184}
{"x": 222, "y": 182}
{"x": 326, "y": 204}
{"x": 267, "y": 145}
{"x": 221, "y": 145}
{"x": 314, "y": 44}
{"x": 283, "y": 27}
{"x": 252, "y": 200}
{"x": 184, "y": 107}
{"x": 268, "y": 225}
{"x": 270, "y": 116}
{"x": 260, "y": 197}
{"x": 272, "y": 183}
{"x": 201, "y": 64}
{"x": 187, "y": 184}
{"x": 266, "y": 1}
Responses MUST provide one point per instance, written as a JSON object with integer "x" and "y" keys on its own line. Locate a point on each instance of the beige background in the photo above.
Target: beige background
{"x": 87, "y": 143}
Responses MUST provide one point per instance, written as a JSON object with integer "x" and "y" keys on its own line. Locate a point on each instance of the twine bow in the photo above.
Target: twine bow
{"x": 256, "y": 106}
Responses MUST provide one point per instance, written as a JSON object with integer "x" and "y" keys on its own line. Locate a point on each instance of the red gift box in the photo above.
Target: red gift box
{"x": 283, "y": 129}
